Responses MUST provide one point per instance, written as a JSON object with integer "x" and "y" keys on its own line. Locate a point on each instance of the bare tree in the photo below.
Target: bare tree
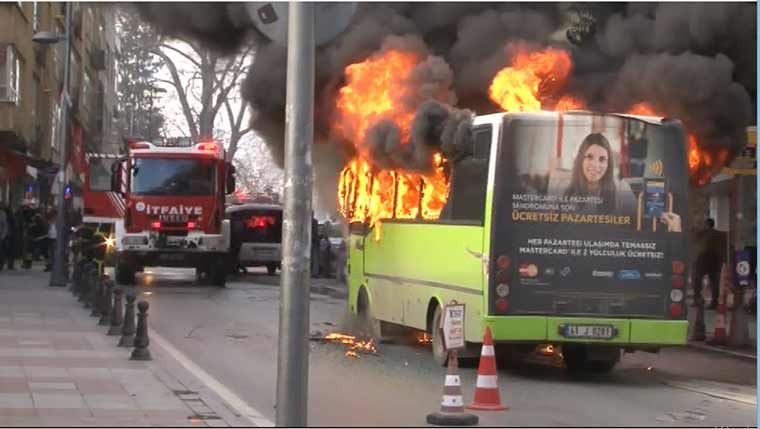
{"x": 256, "y": 172}
{"x": 137, "y": 72}
{"x": 204, "y": 81}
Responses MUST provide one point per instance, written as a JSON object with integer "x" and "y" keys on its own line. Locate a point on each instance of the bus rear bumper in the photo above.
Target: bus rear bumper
{"x": 624, "y": 332}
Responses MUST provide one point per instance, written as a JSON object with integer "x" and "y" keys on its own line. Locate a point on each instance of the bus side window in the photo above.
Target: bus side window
{"x": 467, "y": 194}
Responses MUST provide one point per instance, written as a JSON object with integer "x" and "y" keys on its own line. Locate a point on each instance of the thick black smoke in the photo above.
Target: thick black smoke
{"x": 694, "y": 61}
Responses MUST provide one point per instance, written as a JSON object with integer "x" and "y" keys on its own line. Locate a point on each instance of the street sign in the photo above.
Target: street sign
{"x": 743, "y": 269}
{"x": 453, "y": 326}
{"x": 272, "y": 19}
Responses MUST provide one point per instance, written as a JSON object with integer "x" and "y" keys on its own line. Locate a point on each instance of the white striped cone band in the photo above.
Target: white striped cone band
{"x": 487, "y": 382}
{"x": 452, "y": 401}
{"x": 720, "y": 321}
{"x": 452, "y": 380}
{"x": 487, "y": 351}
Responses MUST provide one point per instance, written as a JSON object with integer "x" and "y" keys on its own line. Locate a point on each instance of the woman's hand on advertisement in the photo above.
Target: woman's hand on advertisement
{"x": 672, "y": 220}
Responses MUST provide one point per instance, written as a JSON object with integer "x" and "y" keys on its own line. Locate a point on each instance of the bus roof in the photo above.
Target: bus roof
{"x": 495, "y": 117}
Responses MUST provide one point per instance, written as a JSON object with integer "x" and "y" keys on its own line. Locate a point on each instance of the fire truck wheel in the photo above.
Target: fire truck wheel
{"x": 201, "y": 274}
{"x": 271, "y": 269}
{"x": 125, "y": 275}
{"x": 439, "y": 354}
{"x": 217, "y": 273}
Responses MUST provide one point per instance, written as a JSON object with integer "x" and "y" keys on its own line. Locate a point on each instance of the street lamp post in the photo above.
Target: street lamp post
{"x": 58, "y": 276}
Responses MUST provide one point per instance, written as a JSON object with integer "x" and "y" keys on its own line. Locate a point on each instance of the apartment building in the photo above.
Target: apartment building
{"x": 31, "y": 81}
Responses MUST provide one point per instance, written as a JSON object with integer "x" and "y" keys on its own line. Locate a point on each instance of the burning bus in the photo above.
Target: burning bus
{"x": 563, "y": 228}
{"x": 552, "y": 225}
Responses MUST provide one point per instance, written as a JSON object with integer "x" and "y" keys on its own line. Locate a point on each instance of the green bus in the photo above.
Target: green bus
{"x": 558, "y": 228}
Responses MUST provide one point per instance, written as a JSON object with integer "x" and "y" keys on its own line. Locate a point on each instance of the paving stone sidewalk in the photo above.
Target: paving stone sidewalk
{"x": 58, "y": 368}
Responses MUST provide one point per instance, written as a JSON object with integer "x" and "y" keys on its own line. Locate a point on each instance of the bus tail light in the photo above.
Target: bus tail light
{"x": 503, "y": 262}
{"x": 261, "y": 221}
{"x": 678, "y": 267}
{"x": 675, "y": 310}
{"x": 677, "y": 282}
{"x": 192, "y": 225}
{"x": 502, "y": 305}
{"x": 155, "y": 225}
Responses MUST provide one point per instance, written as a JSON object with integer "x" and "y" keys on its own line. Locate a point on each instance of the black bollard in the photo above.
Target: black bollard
{"x": 84, "y": 283}
{"x": 105, "y": 317}
{"x": 94, "y": 295}
{"x": 140, "y": 351}
{"x": 117, "y": 316}
{"x": 74, "y": 279}
{"x": 128, "y": 329}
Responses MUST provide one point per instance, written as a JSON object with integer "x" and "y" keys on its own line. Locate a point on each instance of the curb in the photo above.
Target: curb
{"x": 734, "y": 353}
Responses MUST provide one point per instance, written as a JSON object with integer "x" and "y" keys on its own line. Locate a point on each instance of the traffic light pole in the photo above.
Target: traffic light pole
{"x": 293, "y": 347}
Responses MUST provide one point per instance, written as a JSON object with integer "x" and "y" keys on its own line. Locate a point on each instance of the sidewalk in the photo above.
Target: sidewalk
{"x": 58, "y": 368}
{"x": 748, "y": 352}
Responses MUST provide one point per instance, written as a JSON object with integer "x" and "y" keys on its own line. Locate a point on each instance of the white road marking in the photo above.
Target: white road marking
{"x": 226, "y": 394}
{"x": 741, "y": 394}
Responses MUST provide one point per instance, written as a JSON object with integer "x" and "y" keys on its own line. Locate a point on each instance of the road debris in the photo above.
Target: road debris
{"x": 354, "y": 345}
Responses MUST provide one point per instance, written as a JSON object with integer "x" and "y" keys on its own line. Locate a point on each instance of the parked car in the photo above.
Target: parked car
{"x": 256, "y": 236}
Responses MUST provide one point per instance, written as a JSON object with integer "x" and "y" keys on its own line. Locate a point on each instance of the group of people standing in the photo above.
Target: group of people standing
{"x": 27, "y": 234}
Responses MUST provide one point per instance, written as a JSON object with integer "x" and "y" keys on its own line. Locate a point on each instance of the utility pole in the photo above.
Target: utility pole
{"x": 58, "y": 276}
{"x": 293, "y": 348}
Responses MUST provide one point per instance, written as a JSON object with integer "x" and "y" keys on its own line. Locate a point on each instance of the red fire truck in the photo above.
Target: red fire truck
{"x": 101, "y": 207}
{"x": 174, "y": 214}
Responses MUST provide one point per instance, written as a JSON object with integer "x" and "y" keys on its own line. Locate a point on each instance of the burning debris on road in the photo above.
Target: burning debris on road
{"x": 393, "y": 86}
{"x": 354, "y": 346}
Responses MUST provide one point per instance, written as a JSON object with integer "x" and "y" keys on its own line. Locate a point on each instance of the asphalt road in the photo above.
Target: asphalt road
{"x": 232, "y": 334}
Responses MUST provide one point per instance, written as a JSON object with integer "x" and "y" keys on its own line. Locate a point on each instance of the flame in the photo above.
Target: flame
{"x": 569, "y": 103}
{"x": 424, "y": 338}
{"x": 352, "y": 343}
{"x": 531, "y": 78}
{"x": 375, "y": 90}
{"x": 702, "y": 163}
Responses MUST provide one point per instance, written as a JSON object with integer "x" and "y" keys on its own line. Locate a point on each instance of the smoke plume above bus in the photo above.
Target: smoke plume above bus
{"x": 691, "y": 61}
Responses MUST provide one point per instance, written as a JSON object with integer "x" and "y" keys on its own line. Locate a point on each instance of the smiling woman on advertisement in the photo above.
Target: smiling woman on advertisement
{"x": 592, "y": 174}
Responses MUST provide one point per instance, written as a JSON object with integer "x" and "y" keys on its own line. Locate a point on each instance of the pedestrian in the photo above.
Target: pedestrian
{"x": 52, "y": 235}
{"x": 324, "y": 256}
{"x": 3, "y": 234}
{"x": 710, "y": 257}
{"x": 10, "y": 239}
{"x": 314, "y": 248}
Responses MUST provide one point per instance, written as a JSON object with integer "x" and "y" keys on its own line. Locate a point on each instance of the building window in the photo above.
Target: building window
{"x": 9, "y": 74}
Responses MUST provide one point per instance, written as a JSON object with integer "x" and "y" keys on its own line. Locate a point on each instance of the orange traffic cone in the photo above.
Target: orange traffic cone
{"x": 719, "y": 334}
{"x": 487, "y": 386}
{"x": 452, "y": 406}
